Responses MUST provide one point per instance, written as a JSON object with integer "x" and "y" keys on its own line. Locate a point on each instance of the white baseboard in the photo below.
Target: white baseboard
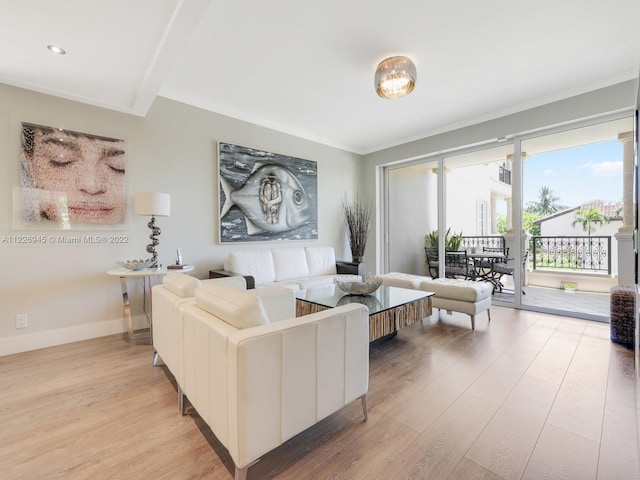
{"x": 51, "y": 338}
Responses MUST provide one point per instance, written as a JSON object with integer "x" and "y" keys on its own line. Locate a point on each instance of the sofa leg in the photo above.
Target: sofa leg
{"x": 365, "y": 410}
{"x": 489, "y": 314}
{"x": 473, "y": 322}
{"x": 155, "y": 359}
{"x": 182, "y": 404}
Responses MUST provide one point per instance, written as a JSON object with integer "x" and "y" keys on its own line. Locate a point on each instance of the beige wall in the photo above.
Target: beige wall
{"x": 64, "y": 288}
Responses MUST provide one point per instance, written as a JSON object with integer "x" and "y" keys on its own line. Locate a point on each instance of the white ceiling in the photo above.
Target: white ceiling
{"x": 306, "y": 68}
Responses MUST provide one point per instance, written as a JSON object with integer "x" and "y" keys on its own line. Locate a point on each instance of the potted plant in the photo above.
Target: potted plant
{"x": 452, "y": 242}
{"x": 358, "y": 215}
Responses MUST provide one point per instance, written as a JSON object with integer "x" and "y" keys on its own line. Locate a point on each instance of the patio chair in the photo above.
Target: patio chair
{"x": 503, "y": 268}
{"x": 458, "y": 265}
{"x": 431, "y": 261}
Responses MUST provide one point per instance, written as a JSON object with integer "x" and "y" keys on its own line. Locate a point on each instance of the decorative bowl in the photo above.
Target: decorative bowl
{"x": 137, "y": 264}
{"x": 360, "y": 288}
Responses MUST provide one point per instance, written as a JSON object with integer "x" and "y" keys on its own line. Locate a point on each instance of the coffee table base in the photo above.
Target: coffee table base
{"x": 383, "y": 323}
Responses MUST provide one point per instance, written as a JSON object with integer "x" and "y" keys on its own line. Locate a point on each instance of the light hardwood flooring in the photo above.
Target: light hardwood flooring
{"x": 528, "y": 396}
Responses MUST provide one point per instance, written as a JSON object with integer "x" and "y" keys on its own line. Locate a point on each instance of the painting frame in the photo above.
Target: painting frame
{"x": 68, "y": 179}
{"x": 265, "y": 196}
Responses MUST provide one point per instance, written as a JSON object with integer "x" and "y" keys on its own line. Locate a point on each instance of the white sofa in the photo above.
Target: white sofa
{"x": 293, "y": 267}
{"x": 176, "y": 291}
{"x": 451, "y": 294}
{"x": 256, "y": 382}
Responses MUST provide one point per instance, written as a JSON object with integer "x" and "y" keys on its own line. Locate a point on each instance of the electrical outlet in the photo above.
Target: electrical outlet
{"x": 22, "y": 320}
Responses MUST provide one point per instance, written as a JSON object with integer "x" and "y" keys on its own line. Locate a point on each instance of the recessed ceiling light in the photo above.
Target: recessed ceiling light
{"x": 56, "y": 49}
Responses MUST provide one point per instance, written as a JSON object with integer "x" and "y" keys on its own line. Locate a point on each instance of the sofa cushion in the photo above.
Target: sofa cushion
{"x": 182, "y": 285}
{"x": 238, "y": 308}
{"x": 257, "y": 263}
{"x": 321, "y": 261}
{"x": 289, "y": 263}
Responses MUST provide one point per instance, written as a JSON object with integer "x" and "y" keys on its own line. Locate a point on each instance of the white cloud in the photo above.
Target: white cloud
{"x": 605, "y": 169}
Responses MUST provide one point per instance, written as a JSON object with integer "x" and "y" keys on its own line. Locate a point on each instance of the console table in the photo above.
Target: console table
{"x": 145, "y": 274}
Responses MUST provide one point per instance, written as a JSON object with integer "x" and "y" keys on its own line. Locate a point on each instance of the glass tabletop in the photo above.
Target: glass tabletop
{"x": 382, "y": 299}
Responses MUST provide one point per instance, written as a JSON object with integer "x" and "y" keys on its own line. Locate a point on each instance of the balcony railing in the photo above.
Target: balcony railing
{"x": 505, "y": 176}
{"x": 481, "y": 242}
{"x": 571, "y": 253}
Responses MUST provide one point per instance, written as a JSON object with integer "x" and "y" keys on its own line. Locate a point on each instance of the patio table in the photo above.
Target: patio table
{"x": 483, "y": 266}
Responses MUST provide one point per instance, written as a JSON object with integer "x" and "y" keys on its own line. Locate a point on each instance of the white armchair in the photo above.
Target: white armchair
{"x": 176, "y": 291}
{"x": 256, "y": 382}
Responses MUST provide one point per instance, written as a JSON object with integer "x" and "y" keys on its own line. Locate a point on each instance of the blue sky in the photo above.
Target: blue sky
{"x": 576, "y": 175}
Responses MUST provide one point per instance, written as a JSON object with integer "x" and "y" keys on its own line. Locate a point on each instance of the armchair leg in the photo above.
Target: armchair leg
{"x": 241, "y": 473}
{"x": 473, "y": 322}
{"x": 365, "y": 410}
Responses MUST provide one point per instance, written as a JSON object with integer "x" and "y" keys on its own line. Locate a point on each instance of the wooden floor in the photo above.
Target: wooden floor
{"x": 528, "y": 396}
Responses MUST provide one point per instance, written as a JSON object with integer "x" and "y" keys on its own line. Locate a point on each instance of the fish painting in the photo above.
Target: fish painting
{"x": 272, "y": 200}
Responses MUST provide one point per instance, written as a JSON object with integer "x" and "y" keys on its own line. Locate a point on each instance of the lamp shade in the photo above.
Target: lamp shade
{"x": 395, "y": 77}
{"x": 153, "y": 204}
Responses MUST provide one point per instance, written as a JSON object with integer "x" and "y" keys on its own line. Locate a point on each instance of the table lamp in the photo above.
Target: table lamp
{"x": 155, "y": 205}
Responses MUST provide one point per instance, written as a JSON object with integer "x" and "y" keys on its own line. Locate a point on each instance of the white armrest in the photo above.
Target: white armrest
{"x": 278, "y": 302}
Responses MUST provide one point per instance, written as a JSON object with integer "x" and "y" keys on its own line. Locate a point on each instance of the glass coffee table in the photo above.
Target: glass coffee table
{"x": 390, "y": 308}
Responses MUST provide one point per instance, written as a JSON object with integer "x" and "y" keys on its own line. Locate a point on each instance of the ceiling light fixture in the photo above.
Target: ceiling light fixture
{"x": 395, "y": 77}
{"x": 56, "y": 49}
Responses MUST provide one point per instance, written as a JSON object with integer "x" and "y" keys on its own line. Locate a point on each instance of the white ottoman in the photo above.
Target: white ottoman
{"x": 464, "y": 296}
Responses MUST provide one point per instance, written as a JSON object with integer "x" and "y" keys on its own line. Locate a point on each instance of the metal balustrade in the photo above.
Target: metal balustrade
{"x": 480, "y": 242}
{"x": 588, "y": 253}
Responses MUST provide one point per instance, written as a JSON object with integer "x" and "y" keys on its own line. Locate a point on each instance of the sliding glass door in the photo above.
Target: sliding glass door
{"x": 558, "y": 204}
{"x": 478, "y": 213}
{"x": 573, "y": 216}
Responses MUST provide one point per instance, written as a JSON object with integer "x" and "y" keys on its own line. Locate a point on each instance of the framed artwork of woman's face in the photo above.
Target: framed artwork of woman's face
{"x": 70, "y": 178}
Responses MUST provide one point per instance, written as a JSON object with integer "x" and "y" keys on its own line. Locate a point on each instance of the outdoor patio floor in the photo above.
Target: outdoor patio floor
{"x": 578, "y": 302}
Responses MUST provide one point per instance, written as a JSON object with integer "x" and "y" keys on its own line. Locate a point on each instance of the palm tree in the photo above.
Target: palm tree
{"x": 547, "y": 203}
{"x": 588, "y": 217}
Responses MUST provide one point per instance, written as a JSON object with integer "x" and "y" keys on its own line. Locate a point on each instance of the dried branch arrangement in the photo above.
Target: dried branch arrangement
{"x": 359, "y": 217}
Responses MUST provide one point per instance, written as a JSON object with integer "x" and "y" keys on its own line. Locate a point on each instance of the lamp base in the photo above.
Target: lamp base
{"x": 151, "y": 248}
